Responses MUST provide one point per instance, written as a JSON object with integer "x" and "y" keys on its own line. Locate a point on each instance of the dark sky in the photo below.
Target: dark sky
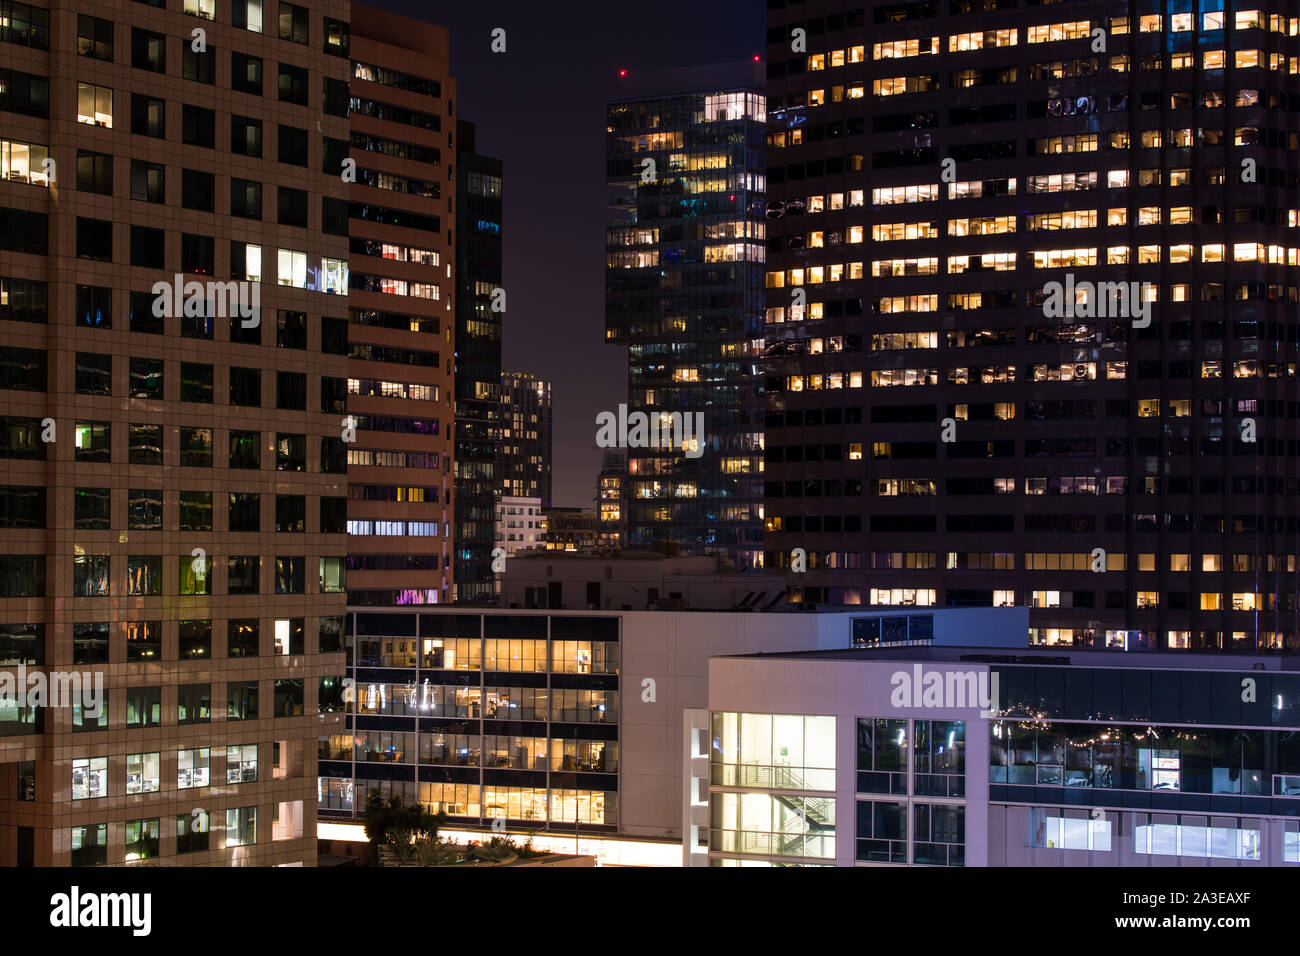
{"x": 540, "y": 107}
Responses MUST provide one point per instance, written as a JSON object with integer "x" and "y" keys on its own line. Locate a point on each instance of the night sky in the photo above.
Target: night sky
{"x": 540, "y": 107}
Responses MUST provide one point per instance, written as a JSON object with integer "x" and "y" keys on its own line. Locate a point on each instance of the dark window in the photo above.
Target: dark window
{"x": 90, "y": 575}
{"x": 144, "y": 510}
{"x": 144, "y": 444}
{"x": 336, "y": 97}
{"x": 292, "y": 207}
{"x": 148, "y": 116}
{"x": 334, "y": 336}
{"x": 333, "y": 395}
{"x": 148, "y": 181}
{"x": 21, "y": 438}
{"x": 196, "y": 447}
{"x": 333, "y": 515}
{"x": 290, "y": 575}
{"x": 90, "y": 643}
{"x": 246, "y": 140}
{"x": 144, "y": 574}
{"x": 293, "y": 22}
{"x": 293, "y": 84}
{"x": 196, "y": 383}
{"x": 23, "y": 300}
{"x": 91, "y": 509}
{"x": 25, "y": 25}
{"x": 288, "y": 698}
{"x": 331, "y": 635}
{"x": 22, "y": 575}
{"x": 94, "y": 441}
{"x": 197, "y": 189}
{"x": 194, "y": 701}
{"x": 334, "y": 152}
{"x": 94, "y": 306}
{"x": 94, "y": 172}
{"x": 199, "y": 66}
{"x": 290, "y": 452}
{"x": 334, "y": 216}
{"x": 292, "y": 145}
{"x": 23, "y": 370}
{"x": 30, "y": 95}
{"x": 195, "y": 511}
{"x": 242, "y": 574}
{"x": 147, "y": 248}
{"x": 22, "y": 644}
{"x": 246, "y": 74}
{"x": 290, "y": 513}
{"x": 148, "y": 50}
{"x": 192, "y": 831}
{"x": 333, "y": 455}
{"x": 246, "y": 387}
{"x": 198, "y": 254}
{"x": 143, "y": 706}
{"x": 245, "y": 198}
{"x": 144, "y": 640}
{"x": 245, "y": 511}
{"x": 94, "y": 37}
{"x": 22, "y": 231}
{"x": 22, "y": 506}
{"x": 143, "y": 318}
{"x": 147, "y": 378}
{"x": 95, "y": 239}
{"x": 198, "y": 126}
{"x": 291, "y": 391}
{"x": 291, "y": 329}
{"x": 245, "y": 449}
{"x": 242, "y": 639}
{"x": 241, "y": 698}
{"x": 94, "y": 373}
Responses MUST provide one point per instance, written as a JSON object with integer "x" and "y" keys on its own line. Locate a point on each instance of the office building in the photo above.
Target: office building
{"x": 894, "y": 756}
{"x": 174, "y": 372}
{"x": 520, "y": 524}
{"x": 943, "y": 427}
{"x": 570, "y": 529}
{"x": 479, "y": 213}
{"x": 402, "y": 320}
{"x": 560, "y": 723}
{"x": 683, "y": 294}
{"x": 611, "y": 503}
{"x": 525, "y": 470}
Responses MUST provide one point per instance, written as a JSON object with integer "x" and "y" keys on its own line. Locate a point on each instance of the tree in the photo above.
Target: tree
{"x": 398, "y": 824}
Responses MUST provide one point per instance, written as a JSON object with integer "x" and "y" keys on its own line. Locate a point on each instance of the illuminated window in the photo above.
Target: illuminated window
{"x": 95, "y": 105}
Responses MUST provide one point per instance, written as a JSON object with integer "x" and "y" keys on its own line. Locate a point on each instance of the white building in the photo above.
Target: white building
{"x": 520, "y": 524}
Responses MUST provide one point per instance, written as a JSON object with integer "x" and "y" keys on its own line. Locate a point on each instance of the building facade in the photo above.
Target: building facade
{"x": 480, "y": 214}
{"x": 683, "y": 294}
{"x": 571, "y": 529}
{"x": 525, "y": 437}
{"x": 611, "y": 503}
{"x": 560, "y": 723}
{"x": 1125, "y": 461}
{"x": 401, "y": 309}
{"x": 174, "y": 479}
{"x": 935, "y": 756}
{"x": 520, "y": 524}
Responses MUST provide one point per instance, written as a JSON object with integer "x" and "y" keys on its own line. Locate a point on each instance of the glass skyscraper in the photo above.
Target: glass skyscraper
{"x": 684, "y": 294}
{"x": 951, "y": 420}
